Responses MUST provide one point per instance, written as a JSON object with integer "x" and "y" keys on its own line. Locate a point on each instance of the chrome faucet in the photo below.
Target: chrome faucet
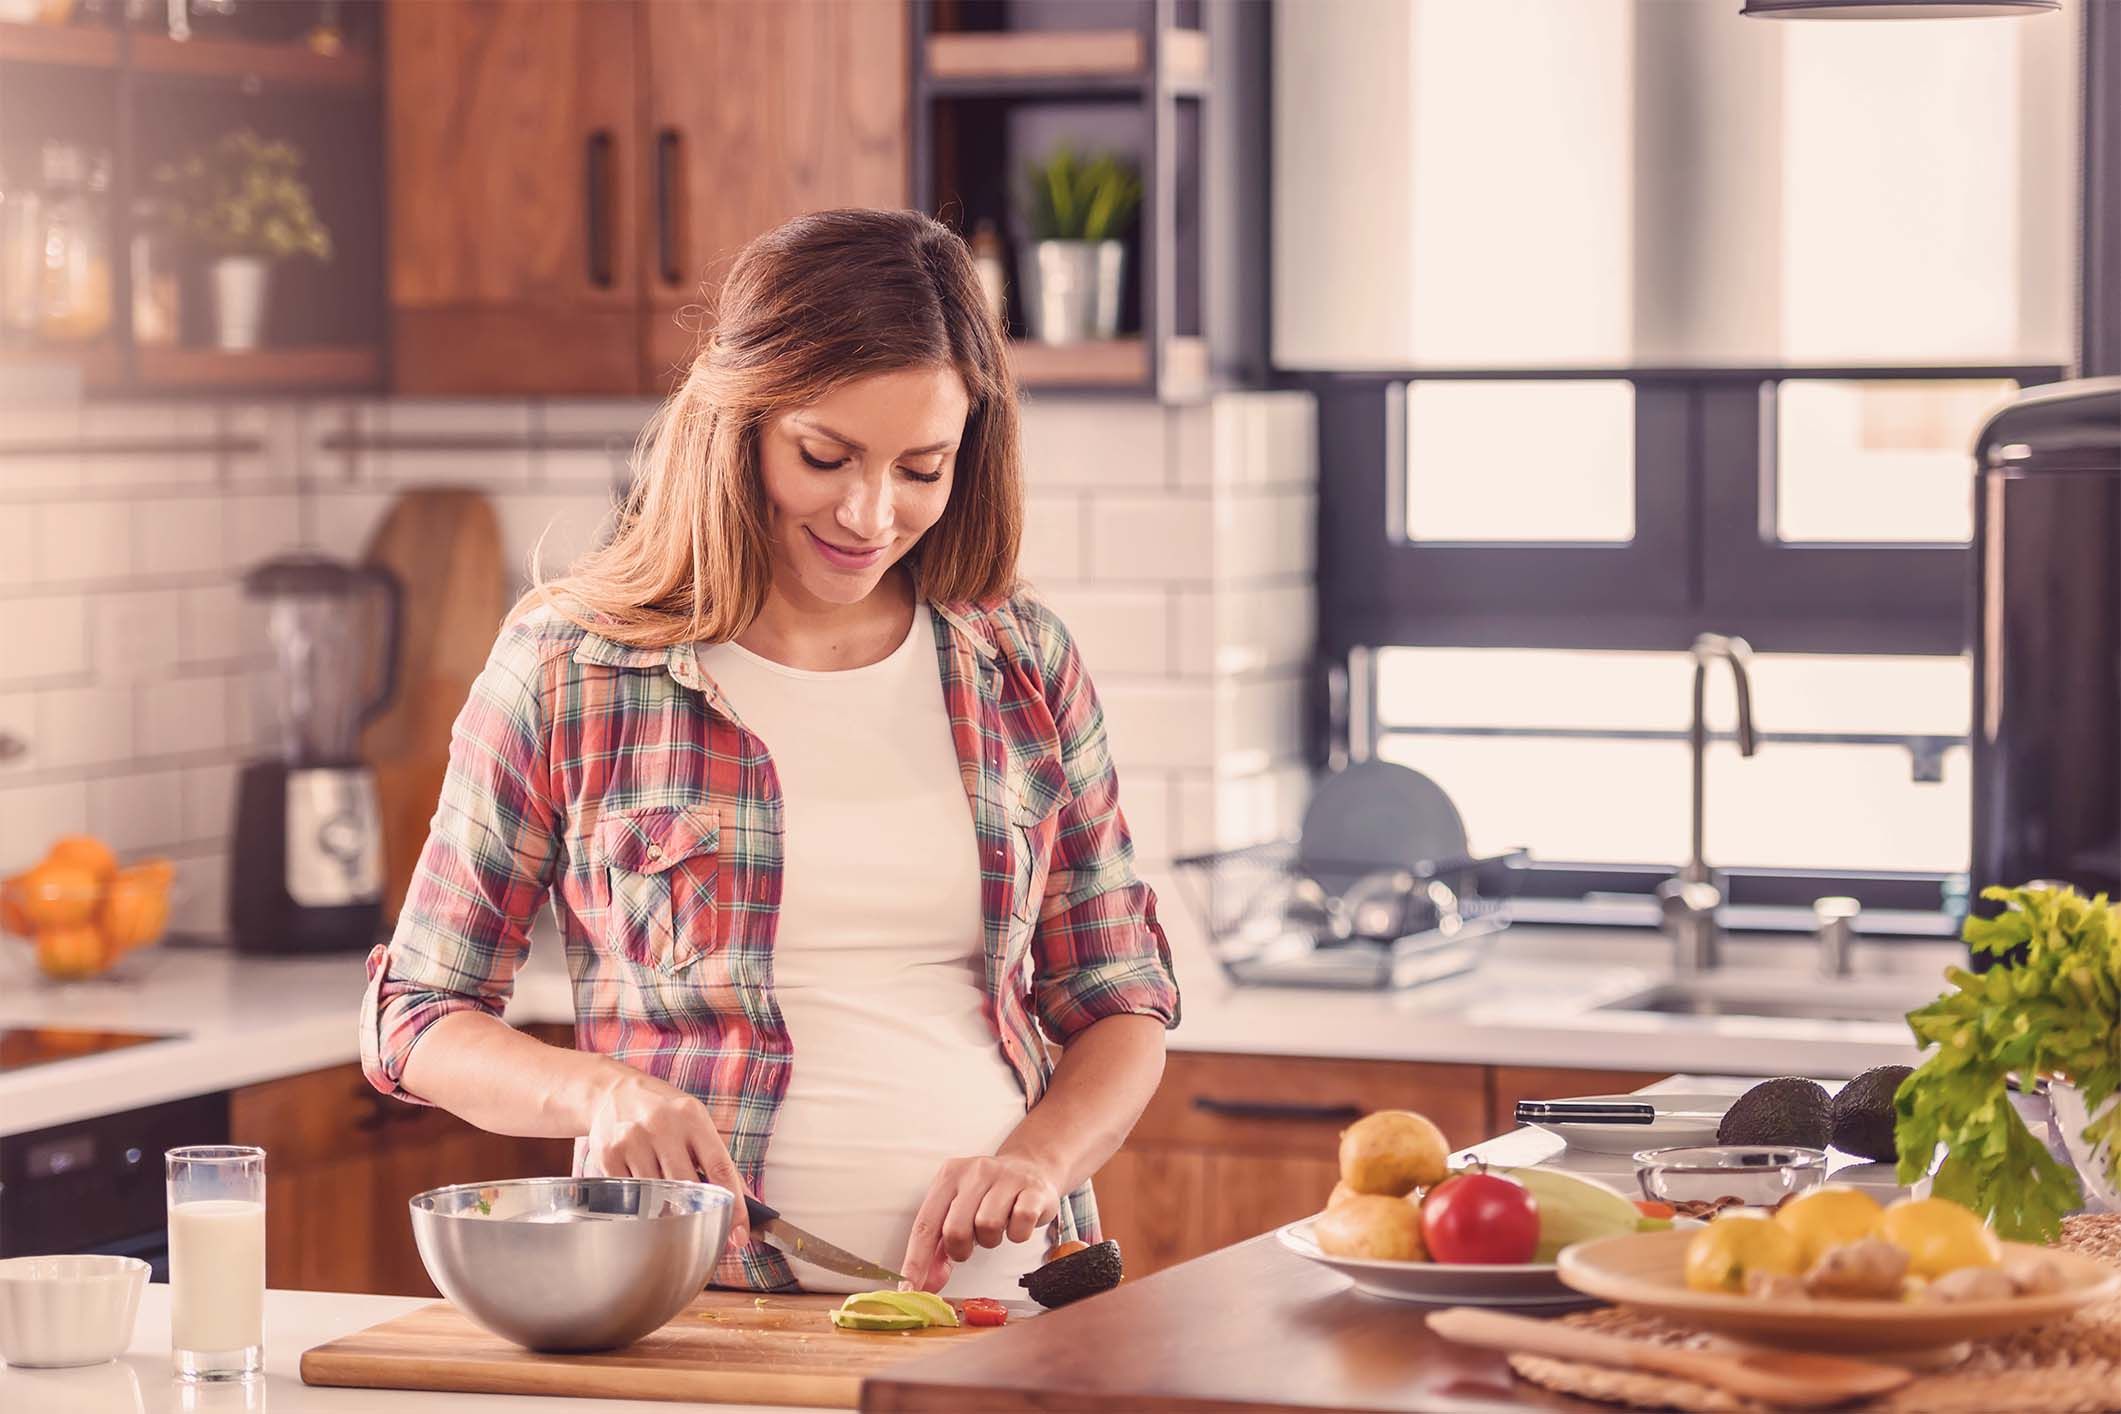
{"x": 1690, "y": 898}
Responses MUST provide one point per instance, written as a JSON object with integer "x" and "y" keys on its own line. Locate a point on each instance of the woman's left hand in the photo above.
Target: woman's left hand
{"x": 977, "y": 1203}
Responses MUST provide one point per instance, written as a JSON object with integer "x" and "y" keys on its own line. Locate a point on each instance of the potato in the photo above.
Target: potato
{"x": 1372, "y": 1227}
{"x": 1341, "y": 1194}
{"x": 1392, "y": 1153}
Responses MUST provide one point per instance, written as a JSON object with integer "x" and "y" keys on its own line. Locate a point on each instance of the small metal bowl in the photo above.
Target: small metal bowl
{"x": 1757, "y": 1175}
{"x": 572, "y": 1264}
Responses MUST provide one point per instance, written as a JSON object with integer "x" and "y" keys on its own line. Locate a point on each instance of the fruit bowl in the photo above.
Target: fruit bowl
{"x": 82, "y": 911}
{"x": 1453, "y": 1283}
{"x": 1646, "y": 1272}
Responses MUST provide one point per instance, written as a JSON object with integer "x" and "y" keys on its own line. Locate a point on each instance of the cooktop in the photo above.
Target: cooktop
{"x": 25, "y": 1046}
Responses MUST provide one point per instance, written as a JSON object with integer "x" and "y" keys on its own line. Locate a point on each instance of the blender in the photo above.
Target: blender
{"x": 306, "y": 869}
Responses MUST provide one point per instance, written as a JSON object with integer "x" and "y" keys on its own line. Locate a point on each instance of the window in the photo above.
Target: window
{"x": 1876, "y": 461}
{"x": 1565, "y": 472}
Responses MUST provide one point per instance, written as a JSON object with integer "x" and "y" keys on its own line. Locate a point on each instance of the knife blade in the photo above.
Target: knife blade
{"x": 809, "y": 1247}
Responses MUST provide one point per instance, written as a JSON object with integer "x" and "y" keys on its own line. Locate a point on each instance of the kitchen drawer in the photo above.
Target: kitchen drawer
{"x": 1281, "y": 1105}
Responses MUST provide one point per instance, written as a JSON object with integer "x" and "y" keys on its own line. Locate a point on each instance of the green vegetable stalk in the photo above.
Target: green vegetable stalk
{"x": 2055, "y": 1014}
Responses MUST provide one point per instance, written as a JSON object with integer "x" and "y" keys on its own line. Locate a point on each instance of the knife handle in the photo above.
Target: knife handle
{"x": 757, "y": 1214}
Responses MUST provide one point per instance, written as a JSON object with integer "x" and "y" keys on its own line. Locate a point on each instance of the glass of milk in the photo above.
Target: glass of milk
{"x": 217, "y": 1262}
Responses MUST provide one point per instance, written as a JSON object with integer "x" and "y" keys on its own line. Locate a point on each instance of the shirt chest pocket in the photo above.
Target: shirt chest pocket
{"x": 662, "y": 870}
{"x": 1037, "y": 797}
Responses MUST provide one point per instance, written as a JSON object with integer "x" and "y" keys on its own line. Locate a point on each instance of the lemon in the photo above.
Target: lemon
{"x": 1723, "y": 1253}
{"x": 1829, "y": 1217}
{"x": 1939, "y": 1236}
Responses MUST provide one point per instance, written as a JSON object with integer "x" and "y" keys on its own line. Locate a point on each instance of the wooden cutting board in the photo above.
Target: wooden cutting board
{"x": 444, "y": 545}
{"x": 724, "y": 1348}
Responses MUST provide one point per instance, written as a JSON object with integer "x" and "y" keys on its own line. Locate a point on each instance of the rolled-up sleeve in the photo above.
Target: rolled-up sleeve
{"x": 1099, "y": 950}
{"x": 465, "y": 925}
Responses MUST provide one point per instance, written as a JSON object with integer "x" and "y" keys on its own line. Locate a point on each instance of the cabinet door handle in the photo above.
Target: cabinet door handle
{"x": 1275, "y": 1110}
{"x": 597, "y": 195}
{"x": 666, "y": 204}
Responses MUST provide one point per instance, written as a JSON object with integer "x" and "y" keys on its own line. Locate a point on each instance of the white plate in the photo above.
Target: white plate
{"x": 1445, "y": 1283}
{"x": 1668, "y": 1131}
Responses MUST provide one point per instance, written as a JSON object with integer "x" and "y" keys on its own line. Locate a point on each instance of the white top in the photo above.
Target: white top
{"x": 877, "y": 956}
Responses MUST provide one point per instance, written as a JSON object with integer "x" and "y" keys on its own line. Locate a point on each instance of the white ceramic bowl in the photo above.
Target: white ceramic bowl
{"x": 58, "y": 1311}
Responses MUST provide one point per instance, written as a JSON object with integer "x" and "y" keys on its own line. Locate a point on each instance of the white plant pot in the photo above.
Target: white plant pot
{"x": 1071, "y": 289}
{"x": 241, "y": 283}
{"x": 2071, "y": 1117}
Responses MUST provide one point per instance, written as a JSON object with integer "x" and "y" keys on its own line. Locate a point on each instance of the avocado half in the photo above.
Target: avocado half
{"x": 1071, "y": 1278}
{"x": 1863, "y": 1116}
{"x": 1785, "y": 1110}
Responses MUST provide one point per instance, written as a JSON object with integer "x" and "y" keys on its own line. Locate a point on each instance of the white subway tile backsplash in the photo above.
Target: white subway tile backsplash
{"x": 149, "y": 422}
{"x": 1163, "y": 538}
{"x": 343, "y": 522}
{"x": 1258, "y": 723}
{"x": 137, "y": 812}
{"x": 183, "y": 715}
{"x": 1265, "y": 533}
{"x": 1053, "y": 548}
{"x": 215, "y": 626}
{"x": 179, "y": 535}
{"x": 45, "y": 471}
{"x": 209, "y": 802}
{"x": 1240, "y": 628}
{"x": 18, "y": 719}
{"x": 1145, "y": 800}
{"x": 260, "y": 527}
{"x": 617, "y": 418}
{"x": 1159, "y": 726}
{"x": 83, "y": 540}
{"x": 1094, "y": 442}
{"x": 150, "y": 468}
{"x": 1291, "y": 438}
{"x": 137, "y": 635}
{"x": 1118, "y": 630}
{"x": 85, "y": 726}
{"x": 18, "y": 541}
{"x": 486, "y": 467}
{"x": 199, "y": 898}
{"x": 422, "y": 417}
{"x": 31, "y": 817}
{"x": 556, "y": 528}
{"x": 569, "y": 467}
{"x": 26, "y": 424}
{"x": 277, "y": 429}
{"x": 47, "y": 638}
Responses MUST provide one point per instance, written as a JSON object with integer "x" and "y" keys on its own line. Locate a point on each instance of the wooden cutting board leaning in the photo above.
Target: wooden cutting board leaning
{"x": 727, "y": 1347}
{"x": 444, "y": 545}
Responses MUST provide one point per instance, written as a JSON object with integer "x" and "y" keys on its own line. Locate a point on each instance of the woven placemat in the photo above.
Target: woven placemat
{"x": 2073, "y": 1367}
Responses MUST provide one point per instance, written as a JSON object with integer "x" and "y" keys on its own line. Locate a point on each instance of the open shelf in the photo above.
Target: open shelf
{"x": 247, "y": 59}
{"x": 1033, "y": 61}
{"x": 278, "y": 369}
{"x": 71, "y": 46}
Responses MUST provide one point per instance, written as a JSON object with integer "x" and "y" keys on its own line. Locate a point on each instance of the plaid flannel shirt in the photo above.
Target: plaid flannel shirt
{"x": 618, "y": 781}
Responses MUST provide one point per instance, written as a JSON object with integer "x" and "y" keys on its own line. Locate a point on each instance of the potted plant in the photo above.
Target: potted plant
{"x": 1076, "y": 210}
{"x": 2049, "y": 1011}
{"x": 244, "y": 204}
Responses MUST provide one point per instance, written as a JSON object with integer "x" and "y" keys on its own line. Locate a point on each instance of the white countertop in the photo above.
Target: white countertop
{"x": 295, "y": 1321}
{"x": 244, "y": 1019}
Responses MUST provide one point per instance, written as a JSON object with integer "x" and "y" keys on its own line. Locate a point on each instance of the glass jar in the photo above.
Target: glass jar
{"x": 21, "y": 260}
{"x": 157, "y": 289}
{"x": 74, "y": 297}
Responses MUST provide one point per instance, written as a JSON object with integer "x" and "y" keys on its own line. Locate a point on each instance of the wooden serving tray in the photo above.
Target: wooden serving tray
{"x": 727, "y": 1347}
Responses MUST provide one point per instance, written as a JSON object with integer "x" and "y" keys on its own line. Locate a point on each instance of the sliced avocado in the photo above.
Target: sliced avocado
{"x": 867, "y": 1321}
{"x": 930, "y": 1308}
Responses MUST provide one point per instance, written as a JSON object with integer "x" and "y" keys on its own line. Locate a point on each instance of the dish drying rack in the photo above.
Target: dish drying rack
{"x": 1272, "y": 922}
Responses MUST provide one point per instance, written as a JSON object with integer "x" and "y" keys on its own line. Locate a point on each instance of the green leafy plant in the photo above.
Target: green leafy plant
{"x": 243, "y": 196}
{"x": 2054, "y": 1013}
{"x": 1068, "y": 198}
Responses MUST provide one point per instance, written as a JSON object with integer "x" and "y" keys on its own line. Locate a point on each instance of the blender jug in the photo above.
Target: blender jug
{"x": 306, "y": 872}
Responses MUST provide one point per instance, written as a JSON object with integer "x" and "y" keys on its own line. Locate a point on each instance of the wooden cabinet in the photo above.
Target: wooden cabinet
{"x": 341, "y": 1161}
{"x": 1234, "y": 1146}
{"x": 806, "y": 109}
{"x": 567, "y": 176}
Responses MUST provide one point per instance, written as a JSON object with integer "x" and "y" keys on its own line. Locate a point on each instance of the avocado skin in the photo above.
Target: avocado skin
{"x": 1071, "y": 1278}
{"x": 1863, "y": 1116}
{"x": 1785, "y": 1110}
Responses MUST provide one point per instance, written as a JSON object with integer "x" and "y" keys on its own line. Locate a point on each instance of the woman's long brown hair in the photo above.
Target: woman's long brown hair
{"x": 825, "y": 299}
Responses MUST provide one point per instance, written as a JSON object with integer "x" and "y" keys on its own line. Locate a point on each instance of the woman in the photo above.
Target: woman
{"x": 822, "y": 800}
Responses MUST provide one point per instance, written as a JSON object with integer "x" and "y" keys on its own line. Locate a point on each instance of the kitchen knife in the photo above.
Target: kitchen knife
{"x": 808, "y": 1247}
{"x": 1597, "y": 1112}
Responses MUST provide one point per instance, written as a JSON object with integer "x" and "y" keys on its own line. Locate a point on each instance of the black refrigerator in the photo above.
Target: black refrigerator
{"x": 2047, "y": 640}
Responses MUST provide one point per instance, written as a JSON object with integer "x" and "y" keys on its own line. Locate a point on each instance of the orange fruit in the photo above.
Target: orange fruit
{"x": 56, "y": 895}
{"x": 85, "y": 852}
{"x": 68, "y": 953}
{"x": 12, "y": 917}
{"x": 136, "y": 905}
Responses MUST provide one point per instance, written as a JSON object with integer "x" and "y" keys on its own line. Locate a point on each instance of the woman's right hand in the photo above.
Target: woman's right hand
{"x": 643, "y": 1127}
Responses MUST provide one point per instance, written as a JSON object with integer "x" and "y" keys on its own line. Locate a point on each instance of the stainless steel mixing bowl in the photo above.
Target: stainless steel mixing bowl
{"x": 572, "y": 1263}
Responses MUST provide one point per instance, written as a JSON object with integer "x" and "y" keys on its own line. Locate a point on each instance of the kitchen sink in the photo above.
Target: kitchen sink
{"x": 1720, "y": 997}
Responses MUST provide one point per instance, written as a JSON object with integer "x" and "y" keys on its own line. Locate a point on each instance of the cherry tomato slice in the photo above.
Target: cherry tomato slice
{"x": 979, "y": 1311}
